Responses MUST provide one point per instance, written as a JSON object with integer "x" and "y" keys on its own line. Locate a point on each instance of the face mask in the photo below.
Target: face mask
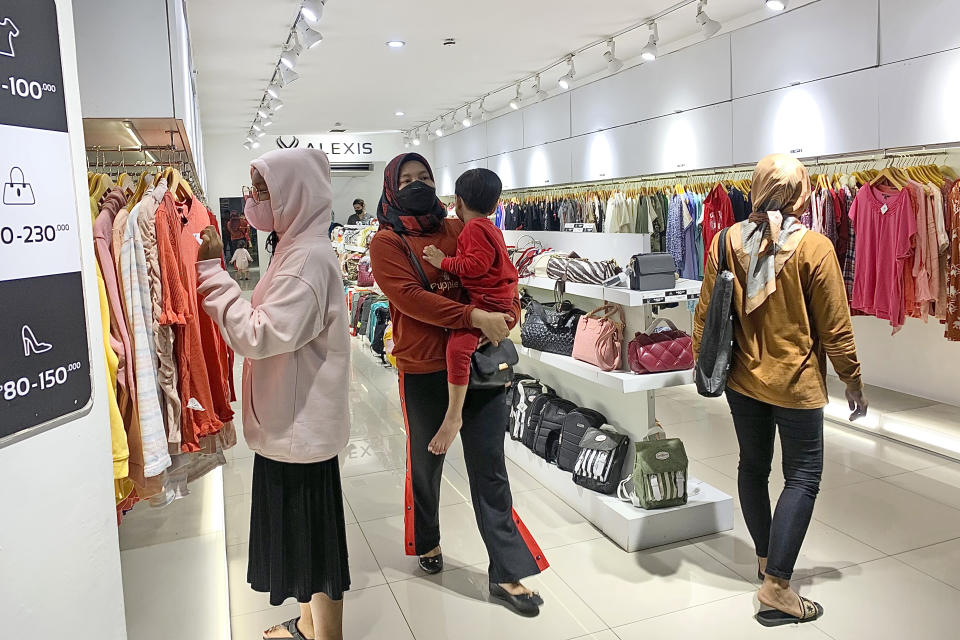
{"x": 259, "y": 214}
{"x": 417, "y": 197}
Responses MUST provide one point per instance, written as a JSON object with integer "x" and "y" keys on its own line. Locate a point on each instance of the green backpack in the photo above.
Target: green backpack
{"x": 659, "y": 473}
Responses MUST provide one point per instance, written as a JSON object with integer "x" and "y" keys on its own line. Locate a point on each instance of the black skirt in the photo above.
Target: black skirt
{"x": 298, "y": 539}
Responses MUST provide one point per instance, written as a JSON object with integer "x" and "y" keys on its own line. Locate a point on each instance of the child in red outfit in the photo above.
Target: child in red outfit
{"x": 488, "y": 275}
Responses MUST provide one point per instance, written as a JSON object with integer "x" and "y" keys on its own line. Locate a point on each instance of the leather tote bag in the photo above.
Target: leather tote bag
{"x": 599, "y": 339}
{"x": 491, "y": 367}
{"x": 716, "y": 343}
{"x": 575, "y": 269}
{"x": 661, "y": 351}
{"x": 550, "y": 328}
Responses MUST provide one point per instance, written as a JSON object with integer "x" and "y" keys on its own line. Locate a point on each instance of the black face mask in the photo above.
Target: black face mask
{"x": 417, "y": 197}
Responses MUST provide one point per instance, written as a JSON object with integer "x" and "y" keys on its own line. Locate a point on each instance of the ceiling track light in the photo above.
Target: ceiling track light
{"x": 273, "y": 90}
{"x": 515, "y": 103}
{"x": 439, "y": 131}
{"x": 416, "y": 139}
{"x": 256, "y": 127}
{"x": 312, "y": 10}
{"x": 291, "y": 55}
{"x": 708, "y": 26}
{"x": 776, "y": 5}
{"x": 538, "y": 92}
{"x": 308, "y": 36}
{"x": 248, "y": 144}
{"x": 566, "y": 80}
{"x": 467, "y": 119}
{"x": 614, "y": 64}
{"x": 287, "y": 75}
{"x": 276, "y": 104}
{"x": 649, "y": 52}
{"x": 255, "y": 145}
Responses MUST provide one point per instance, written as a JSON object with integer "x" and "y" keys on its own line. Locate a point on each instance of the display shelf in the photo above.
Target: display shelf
{"x": 708, "y": 510}
{"x": 682, "y": 291}
{"x": 622, "y": 381}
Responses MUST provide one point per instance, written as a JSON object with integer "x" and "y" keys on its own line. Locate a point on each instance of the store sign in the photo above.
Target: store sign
{"x": 44, "y": 356}
{"x": 379, "y": 147}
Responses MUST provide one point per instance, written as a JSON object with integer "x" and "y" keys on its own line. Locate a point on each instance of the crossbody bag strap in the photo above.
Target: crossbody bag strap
{"x": 415, "y": 261}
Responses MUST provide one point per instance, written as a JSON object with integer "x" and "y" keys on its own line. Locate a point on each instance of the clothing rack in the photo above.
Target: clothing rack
{"x": 151, "y": 157}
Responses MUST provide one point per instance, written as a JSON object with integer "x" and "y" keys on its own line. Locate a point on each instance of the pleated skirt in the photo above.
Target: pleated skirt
{"x": 298, "y": 539}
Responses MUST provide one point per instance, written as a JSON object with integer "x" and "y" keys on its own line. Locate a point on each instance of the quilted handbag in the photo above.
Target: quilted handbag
{"x": 573, "y": 268}
{"x": 365, "y": 273}
{"x": 660, "y": 351}
{"x": 550, "y": 328}
{"x": 599, "y": 339}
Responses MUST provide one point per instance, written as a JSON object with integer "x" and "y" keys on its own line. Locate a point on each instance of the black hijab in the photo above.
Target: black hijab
{"x": 392, "y": 216}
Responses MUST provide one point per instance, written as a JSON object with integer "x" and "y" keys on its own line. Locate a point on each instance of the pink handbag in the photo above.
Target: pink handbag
{"x": 599, "y": 339}
{"x": 660, "y": 351}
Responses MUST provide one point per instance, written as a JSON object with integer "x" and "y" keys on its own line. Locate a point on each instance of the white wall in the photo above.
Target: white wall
{"x": 59, "y": 551}
{"x": 738, "y": 101}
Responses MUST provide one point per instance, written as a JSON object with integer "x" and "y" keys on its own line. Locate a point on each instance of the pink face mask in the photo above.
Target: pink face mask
{"x": 259, "y": 214}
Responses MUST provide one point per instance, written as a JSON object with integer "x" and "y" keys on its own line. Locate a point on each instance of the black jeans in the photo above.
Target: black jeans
{"x": 513, "y": 552}
{"x": 777, "y": 537}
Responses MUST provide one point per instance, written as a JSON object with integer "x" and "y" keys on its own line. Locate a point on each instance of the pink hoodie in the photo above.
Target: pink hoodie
{"x": 293, "y": 333}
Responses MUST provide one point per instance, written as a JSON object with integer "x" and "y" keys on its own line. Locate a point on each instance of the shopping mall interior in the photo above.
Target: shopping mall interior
{"x": 624, "y": 136}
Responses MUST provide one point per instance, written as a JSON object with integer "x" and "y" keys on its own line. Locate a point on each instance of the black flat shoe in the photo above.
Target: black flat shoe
{"x": 525, "y": 605}
{"x": 432, "y": 565}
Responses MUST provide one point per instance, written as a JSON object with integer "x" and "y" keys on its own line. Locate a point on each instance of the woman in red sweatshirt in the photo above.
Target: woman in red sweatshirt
{"x": 411, "y": 219}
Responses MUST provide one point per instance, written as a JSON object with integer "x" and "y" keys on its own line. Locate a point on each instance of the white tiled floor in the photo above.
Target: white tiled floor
{"x": 882, "y": 553}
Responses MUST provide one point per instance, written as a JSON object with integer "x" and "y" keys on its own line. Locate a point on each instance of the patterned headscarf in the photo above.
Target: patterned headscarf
{"x": 392, "y": 216}
{"x": 780, "y": 191}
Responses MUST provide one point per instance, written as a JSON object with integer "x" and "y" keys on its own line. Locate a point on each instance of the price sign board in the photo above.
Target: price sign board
{"x": 44, "y": 355}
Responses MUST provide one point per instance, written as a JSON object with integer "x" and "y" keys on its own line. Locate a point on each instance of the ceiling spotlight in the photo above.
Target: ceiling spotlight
{"x": 649, "y": 52}
{"x": 267, "y": 122}
{"x": 274, "y": 92}
{"x": 439, "y": 130}
{"x": 309, "y": 36}
{"x": 614, "y": 63}
{"x": 467, "y": 120}
{"x": 708, "y": 26}
{"x": 249, "y": 138}
{"x": 406, "y": 141}
{"x": 256, "y": 127}
{"x": 276, "y": 104}
{"x": 312, "y": 10}
{"x": 567, "y": 79}
{"x": 261, "y": 134}
{"x": 248, "y": 144}
{"x": 255, "y": 145}
{"x": 396, "y": 44}
{"x": 515, "y": 103}
{"x": 399, "y": 114}
{"x": 483, "y": 112}
{"x": 263, "y": 112}
{"x": 776, "y": 5}
{"x": 287, "y": 75}
{"x": 416, "y": 139}
{"x": 538, "y": 92}
{"x": 289, "y": 57}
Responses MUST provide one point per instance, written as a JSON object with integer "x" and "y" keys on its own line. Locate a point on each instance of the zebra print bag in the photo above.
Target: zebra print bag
{"x": 575, "y": 269}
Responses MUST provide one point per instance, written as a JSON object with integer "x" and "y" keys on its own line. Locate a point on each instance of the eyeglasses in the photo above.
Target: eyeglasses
{"x": 256, "y": 194}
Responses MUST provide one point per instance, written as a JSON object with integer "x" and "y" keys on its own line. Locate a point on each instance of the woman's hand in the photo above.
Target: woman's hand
{"x": 212, "y": 246}
{"x": 495, "y": 326}
{"x": 434, "y": 256}
{"x": 857, "y": 403}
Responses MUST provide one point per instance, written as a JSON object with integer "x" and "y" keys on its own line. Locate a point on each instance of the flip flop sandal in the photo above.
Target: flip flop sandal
{"x": 291, "y": 626}
{"x": 775, "y": 618}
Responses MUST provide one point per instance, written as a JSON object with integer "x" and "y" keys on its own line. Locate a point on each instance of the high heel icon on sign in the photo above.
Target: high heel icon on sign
{"x": 18, "y": 192}
{"x": 30, "y": 343}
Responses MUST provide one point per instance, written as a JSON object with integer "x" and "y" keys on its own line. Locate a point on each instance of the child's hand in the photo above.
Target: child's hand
{"x": 434, "y": 256}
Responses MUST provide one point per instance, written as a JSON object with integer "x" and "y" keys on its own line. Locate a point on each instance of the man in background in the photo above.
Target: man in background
{"x": 359, "y": 212}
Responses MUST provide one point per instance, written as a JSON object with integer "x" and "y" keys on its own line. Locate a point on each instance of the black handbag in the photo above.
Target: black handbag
{"x": 550, "y": 328}
{"x": 716, "y": 341}
{"x": 491, "y": 367}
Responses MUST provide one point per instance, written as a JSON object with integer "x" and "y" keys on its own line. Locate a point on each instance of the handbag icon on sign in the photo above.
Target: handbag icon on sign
{"x": 18, "y": 192}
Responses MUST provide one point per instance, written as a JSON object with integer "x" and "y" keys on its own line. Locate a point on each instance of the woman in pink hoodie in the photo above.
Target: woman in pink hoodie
{"x": 293, "y": 338}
